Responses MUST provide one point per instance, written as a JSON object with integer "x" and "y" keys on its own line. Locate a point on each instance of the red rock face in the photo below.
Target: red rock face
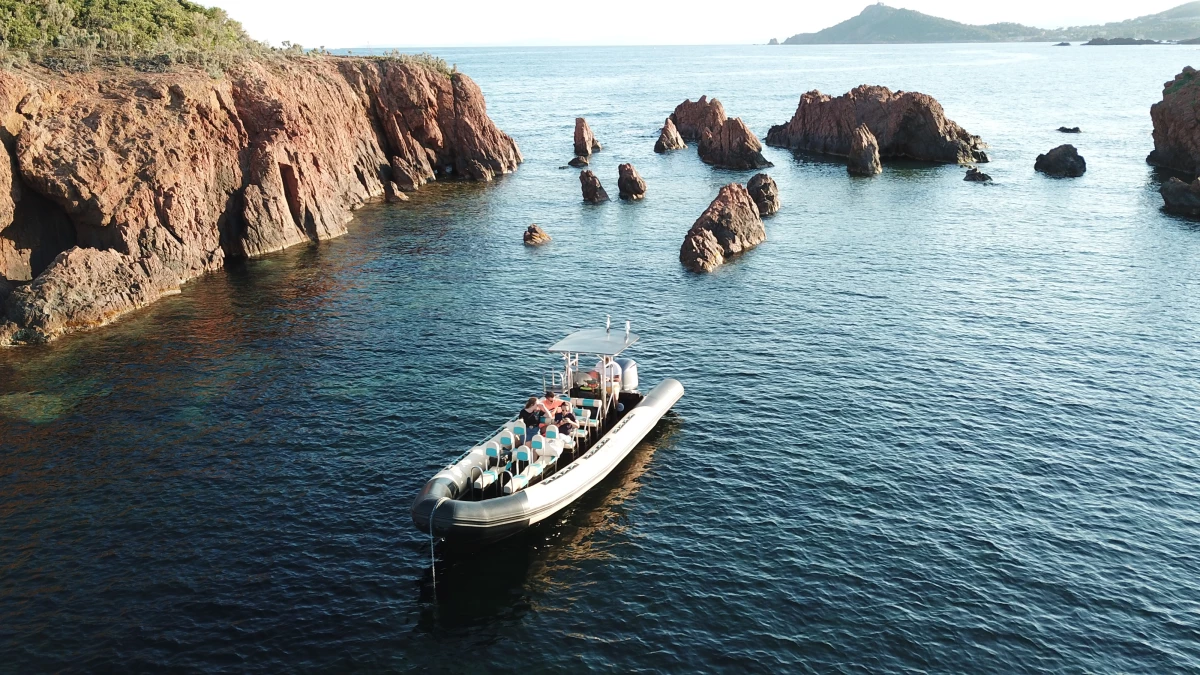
{"x": 731, "y": 225}
{"x": 593, "y": 191}
{"x": 585, "y": 140}
{"x": 171, "y": 173}
{"x": 630, "y": 183}
{"x": 669, "y": 139}
{"x": 535, "y": 236}
{"x": 692, "y": 119}
{"x": 732, "y": 146}
{"x": 1176, "y": 126}
{"x": 906, "y": 124}
{"x": 864, "y": 153}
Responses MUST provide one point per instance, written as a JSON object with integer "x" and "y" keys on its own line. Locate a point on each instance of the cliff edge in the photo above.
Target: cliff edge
{"x": 116, "y": 187}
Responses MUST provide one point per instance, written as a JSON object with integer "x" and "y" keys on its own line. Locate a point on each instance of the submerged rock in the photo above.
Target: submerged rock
{"x": 1180, "y": 197}
{"x": 1176, "y": 125}
{"x": 692, "y": 119}
{"x": 630, "y": 183}
{"x": 905, "y": 124}
{"x": 578, "y": 162}
{"x": 669, "y": 139}
{"x": 731, "y": 225}
{"x": 593, "y": 192}
{"x": 974, "y": 175}
{"x": 585, "y": 141}
{"x": 732, "y": 146}
{"x": 1063, "y": 162}
{"x": 535, "y": 236}
{"x": 393, "y": 194}
{"x": 864, "y": 153}
{"x": 765, "y": 193}
{"x": 1070, "y": 130}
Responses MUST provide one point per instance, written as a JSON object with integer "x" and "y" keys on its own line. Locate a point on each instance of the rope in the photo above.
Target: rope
{"x": 432, "y": 540}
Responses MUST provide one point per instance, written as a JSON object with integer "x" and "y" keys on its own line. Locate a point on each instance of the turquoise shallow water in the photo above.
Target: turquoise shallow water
{"x": 929, "y": 425}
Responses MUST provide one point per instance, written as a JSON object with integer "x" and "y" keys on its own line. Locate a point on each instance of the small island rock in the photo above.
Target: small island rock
{"x": 974, "y": 175}
{"x": 1070, "y": 130}
{"x": 732, "y": 146}
{"x": 535, "y": 236}
{"x": 1181, "y": 198}
{"x": 1063, "y": 162}
{"x": 585, "y": 140}
{"x": 765, "y": 193}
{"x": 692, "y": 119}
{"x": 630, "y": 183}
{"x": 578, "y": 162}
{"x": 669, "y": 139}
{"x": 729, "y": 226}
{"x": 864, "y": 153}
{"x": 593, "y": 192}
{"x": 773, "y": 42}
{"x": 1176, "y": 125}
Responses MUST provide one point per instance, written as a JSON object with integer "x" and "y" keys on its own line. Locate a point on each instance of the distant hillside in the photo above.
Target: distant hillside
{"x": 888, "y": 25}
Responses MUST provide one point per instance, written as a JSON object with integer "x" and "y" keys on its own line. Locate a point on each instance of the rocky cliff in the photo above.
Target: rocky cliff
{"x": 1176, "y": 127}
{"x": 120, "y": 186}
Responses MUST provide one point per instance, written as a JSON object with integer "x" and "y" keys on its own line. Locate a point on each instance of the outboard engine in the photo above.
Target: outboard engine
{"x": 629, "y": 378}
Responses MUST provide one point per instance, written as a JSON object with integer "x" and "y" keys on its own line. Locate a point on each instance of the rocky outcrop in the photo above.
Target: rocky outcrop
{"x": 732, "y": 146}
{"x": 630, "y": 183}
{"x": 691, "y": 119}
{"x": 1070, "y": 130}
{"x": 765, "y": 193}
{"x": 1176, "y": 125}
{"x": 148, "y": 180}
{"x": 864, "y": 153}
{"x": 905, "y": 124}
{"x": 1181, "y": 198}
{"x": 1062, "y": 162}
{"x": 585, "y": 141}
{"x": 974, "y": 175}
{"x": 731, "y": 225}
{"x": 579, "y": 161}
{"x": 593, "y": 192}
{"x": 535, "y": 236}
{"x": 669, "y": 139}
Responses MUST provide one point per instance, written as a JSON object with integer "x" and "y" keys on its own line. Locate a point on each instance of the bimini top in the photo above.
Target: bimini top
{"x": 595, "y": 341}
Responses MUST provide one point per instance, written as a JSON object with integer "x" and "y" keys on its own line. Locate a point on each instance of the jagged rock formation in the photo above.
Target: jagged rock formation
{"x": 669, "y": 139}
{"x": 732, "y": 146}
{"x": 1176, "y": 125}
{"x": 119, "y": 186}
{"x": 535, "y": 236}
{"x": 731, "y": 225}
{"x": 691, "y": 119}
{"x": 1178, "y": 197}
{"x": 585, "y": 141}
{"x": 974, "y": 175}
{"x": 593, "y": 192}
{"x": 765, "y": 193}
{"x": 864, "y": 153}
{"x": 630, "y": 183}
{"x": 905, "y": 124}
{"x": 1063, "y": 162}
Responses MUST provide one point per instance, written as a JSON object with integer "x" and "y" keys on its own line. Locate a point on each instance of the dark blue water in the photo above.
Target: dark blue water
{"x": 929, "y": 425}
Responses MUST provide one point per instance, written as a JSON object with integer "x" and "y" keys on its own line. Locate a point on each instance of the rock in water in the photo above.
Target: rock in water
{"x": 585, "y": 142}
{"x": 578, "y": 162}
{"x": 732, "y": 146}
{"x": 864, "y": 153}
{"x": 765, "y": 194}
{"x": 1180, "y": 197}
{"x": 630, "y": 183}
{"x": 535, "y": 236}
{"x": 974, "y": 175}
{"x": 669, "y": 139}
{"x": 905, "y": 124}
{"x": 1176, "y": 125}
{"x": 1063, "y": 162}
{"x": 593, "y": 192}
{"x": 773, "y": 42}
{"x": 1070, "y": 130}
{"x": 729, "y": 226}
{"x": 392, "y": 193}
{"x": 693, "y": 119}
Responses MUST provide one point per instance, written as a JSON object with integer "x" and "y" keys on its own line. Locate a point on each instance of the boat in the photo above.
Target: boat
{"x": 517, "y": 477}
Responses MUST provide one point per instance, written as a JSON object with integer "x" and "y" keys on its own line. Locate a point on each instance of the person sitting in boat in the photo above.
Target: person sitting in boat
{"x": 531, "y": 417}
{"x": 551, "y": 404}
{"x": 565, "y": 420}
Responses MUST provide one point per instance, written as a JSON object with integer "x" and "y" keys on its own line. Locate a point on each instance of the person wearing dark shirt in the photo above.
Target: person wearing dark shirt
{"x": 530, "y": 417}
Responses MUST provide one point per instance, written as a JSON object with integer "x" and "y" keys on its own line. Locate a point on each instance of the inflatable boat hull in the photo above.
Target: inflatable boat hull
{"x": 478, "y": 523}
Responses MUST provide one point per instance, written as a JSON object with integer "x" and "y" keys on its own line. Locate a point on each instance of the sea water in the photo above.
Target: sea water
{"x": 930, "y": 425}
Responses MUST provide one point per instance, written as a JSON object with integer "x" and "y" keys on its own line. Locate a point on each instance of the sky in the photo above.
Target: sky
{"x": 461, "y": 23}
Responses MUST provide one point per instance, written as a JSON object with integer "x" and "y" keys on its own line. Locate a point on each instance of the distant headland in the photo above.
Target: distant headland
{"x": 881, "y": 24}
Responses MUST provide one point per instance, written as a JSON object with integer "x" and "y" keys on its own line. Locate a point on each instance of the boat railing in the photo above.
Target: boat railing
{"x": 482, "y": 441}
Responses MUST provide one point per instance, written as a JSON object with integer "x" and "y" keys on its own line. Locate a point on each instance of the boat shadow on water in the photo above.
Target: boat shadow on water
{"x": 514, "y": 568}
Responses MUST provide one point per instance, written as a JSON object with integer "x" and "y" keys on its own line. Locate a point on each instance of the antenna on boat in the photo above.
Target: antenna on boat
{"x": 608, "y": 323}
{"x": 627, "y": 330}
